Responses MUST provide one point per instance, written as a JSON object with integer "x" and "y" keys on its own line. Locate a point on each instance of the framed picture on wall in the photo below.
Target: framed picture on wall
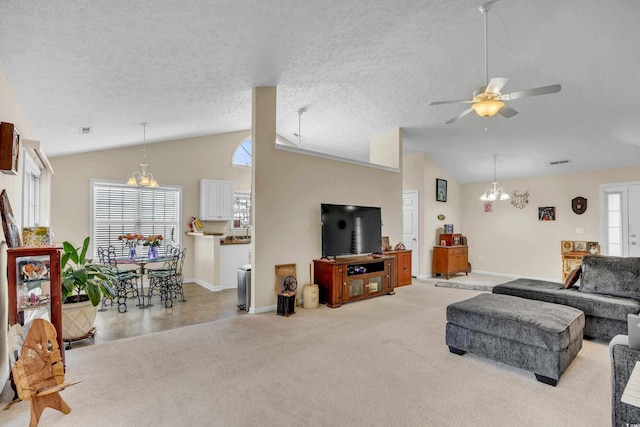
{"x": 9, "y": 148}
{"x": 441, "y": 190}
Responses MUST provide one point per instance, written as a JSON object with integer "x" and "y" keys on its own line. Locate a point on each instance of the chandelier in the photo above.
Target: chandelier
{"x": 144, "y": 178}
{"x": 495, "y": 193}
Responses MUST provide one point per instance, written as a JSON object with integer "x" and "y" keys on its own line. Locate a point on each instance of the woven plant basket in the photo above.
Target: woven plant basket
{"x": 77, "y": 320}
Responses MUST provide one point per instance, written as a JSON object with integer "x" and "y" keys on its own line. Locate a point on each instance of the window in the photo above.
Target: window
{"x": 242, "y": 155}
{"x": 614, "y": 224}
{"x": 30, "y": 193}
{"x": 241, "y": 209}
{"x": 118, "y": 209}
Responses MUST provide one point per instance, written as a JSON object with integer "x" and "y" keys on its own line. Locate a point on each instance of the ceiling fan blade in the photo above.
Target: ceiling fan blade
{"x": 464, "y": 113}
{"x": 459, "y": 101}
{"x": 544, "y": 90}
{"x": 496, "y": 84}
{"x": 507, "y": 111}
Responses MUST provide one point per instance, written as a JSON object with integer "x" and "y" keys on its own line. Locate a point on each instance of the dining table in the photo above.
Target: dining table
{"x": 141, "y": 262}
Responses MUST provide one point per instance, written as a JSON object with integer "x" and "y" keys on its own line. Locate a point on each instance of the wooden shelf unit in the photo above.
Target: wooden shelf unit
{"x": 19, "y": 311}
{"x": 448, "y": 260}
{"x": 354, "y": 278}
{"x": 403, "y": 266}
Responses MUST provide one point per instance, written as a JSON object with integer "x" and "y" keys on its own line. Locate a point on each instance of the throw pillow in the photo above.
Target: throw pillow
{"x": 572, "y": 277}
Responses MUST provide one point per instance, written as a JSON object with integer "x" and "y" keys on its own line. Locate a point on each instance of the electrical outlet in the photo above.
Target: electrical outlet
{"x": 479, "y": 257}
{"x": 579, "y": 230}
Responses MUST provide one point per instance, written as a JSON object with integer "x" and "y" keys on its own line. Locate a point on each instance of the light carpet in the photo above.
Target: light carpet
{"x": 377, "y": 362}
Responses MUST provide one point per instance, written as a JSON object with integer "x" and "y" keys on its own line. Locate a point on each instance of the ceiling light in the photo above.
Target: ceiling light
{"x": 487, "y": 108}
{"x": 143, "y": 179}
{"x": 495, "y": 193}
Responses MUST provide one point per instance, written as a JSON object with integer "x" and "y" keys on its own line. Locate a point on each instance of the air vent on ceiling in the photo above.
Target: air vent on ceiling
{"x": 559, "y": 162}
{"x": 86, "y": 129}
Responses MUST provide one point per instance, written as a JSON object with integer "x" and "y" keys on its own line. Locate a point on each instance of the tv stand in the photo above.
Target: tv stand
{"x": 354, "y": 278}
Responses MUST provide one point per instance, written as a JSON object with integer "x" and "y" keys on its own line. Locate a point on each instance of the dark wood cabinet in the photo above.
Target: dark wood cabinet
{"x": 354, "y": 278}
{"x": 35, "y": 288}
{"x": 448, "y": 260}
{"x": 403, "y": 266}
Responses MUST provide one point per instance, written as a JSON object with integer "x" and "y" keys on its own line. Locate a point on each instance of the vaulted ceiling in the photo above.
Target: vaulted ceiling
{"x": 357, "y": 67}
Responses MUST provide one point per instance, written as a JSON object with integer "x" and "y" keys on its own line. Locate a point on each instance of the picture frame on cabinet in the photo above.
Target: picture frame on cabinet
{"x": 441, "y": 190}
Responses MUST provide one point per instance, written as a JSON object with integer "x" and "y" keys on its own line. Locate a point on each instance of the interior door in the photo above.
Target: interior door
{"x": 620, "y": 219}
{"x": 410, "y": 223}
{"x": 633, "y": 192}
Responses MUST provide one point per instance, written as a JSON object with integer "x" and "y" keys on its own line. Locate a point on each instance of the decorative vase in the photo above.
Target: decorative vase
{"x": 153, "y": 252}
{"x": 132, "y": 252}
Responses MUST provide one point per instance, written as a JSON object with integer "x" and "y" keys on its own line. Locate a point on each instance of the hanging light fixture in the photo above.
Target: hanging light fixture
{"x": 143, "y": 179}
{"x": 299, "y": 134}
{"x": 495, "y": 193}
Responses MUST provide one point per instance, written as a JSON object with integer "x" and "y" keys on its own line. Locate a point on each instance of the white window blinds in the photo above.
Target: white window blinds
{"x": 118, "y": 209}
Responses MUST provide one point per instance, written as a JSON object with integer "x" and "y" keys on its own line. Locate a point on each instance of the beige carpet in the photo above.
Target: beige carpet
{"x": 378, "y": 362}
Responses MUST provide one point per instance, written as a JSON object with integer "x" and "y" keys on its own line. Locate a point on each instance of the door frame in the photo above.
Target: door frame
{"x": 623, "y": 188}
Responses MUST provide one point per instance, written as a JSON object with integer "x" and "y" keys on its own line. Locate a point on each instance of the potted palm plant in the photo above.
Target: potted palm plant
{"x": 83, "y": 286}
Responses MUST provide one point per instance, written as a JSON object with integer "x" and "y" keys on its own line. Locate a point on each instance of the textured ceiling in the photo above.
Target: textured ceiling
{"x": 358, "y": 67}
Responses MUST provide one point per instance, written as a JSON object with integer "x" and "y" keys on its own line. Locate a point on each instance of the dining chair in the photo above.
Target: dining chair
{"x": 161, "y": 281}
{"x": 127, "y": 286}
{"x": 177, "y": 278}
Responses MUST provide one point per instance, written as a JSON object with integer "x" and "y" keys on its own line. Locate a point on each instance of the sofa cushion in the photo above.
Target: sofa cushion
{"x": 609, "y": 275}
{"x": 595, "y": 305}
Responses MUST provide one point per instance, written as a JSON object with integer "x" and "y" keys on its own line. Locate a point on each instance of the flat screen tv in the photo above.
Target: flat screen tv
{"x": 350, "y": 230}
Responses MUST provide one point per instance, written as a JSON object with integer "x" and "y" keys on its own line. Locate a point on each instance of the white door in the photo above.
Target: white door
{"x": 620, "y": 219}
{"x": 410, "y": 223}
{"x": 633, "y": 192}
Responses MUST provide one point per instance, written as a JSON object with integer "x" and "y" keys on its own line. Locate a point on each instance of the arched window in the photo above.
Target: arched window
{"x": 242, "y": 155}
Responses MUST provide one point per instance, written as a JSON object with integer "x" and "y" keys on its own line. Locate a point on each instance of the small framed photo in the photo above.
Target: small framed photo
{"x": 547, "y": 213}
{"x": 567, "y": 246}
{"x": 443, "y": 243}
{"x": 441, "y": 190}
{"x": 448, "y": 228}
{"x": 386, "y": 246}
{"x": 580, "y": 246}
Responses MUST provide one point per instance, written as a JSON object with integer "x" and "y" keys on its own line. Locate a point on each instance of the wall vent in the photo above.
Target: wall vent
{"x": 559, "y": 162}
{"x": 86, "y": 129}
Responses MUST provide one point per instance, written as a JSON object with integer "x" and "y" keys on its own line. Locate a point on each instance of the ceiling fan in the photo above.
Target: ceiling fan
{"x": 488, "y": 100}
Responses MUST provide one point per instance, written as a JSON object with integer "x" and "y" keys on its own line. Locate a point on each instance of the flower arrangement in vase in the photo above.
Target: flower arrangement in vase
{"x": 153, "y": 242}
{"x": 131, "y": 241}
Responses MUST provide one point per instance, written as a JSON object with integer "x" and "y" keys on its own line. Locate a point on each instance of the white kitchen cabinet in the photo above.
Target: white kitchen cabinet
{"x": 216, "y": 200}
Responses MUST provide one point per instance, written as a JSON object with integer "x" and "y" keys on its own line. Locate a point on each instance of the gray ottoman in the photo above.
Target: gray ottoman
{"x": 538, "y": 336}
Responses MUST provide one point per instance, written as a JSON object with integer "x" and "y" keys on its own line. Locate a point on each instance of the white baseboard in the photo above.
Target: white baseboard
{"x": 204, "y": 284}
{"x": 253, "y": 310}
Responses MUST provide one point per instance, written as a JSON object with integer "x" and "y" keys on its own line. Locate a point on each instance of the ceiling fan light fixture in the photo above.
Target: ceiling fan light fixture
{"x": 487, "y": 108}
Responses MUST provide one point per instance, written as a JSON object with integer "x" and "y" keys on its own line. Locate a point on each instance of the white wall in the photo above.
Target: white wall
{"x": 420, "y": 173}
{"x": 11, "y": 112}
{"x": 513, "y": 241}
{"x": 289, "y": 188}
{"x": 182, "y": 162}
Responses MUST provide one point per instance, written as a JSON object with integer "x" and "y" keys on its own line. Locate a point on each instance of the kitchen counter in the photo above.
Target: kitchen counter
{"x": 236, "y": 242}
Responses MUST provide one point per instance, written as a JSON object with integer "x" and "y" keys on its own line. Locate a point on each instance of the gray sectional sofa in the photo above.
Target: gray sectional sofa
{"x": 609, "y": 289}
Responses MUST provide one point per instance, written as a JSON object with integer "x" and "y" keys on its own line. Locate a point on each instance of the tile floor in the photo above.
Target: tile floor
{"x": 202, "y": 305}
